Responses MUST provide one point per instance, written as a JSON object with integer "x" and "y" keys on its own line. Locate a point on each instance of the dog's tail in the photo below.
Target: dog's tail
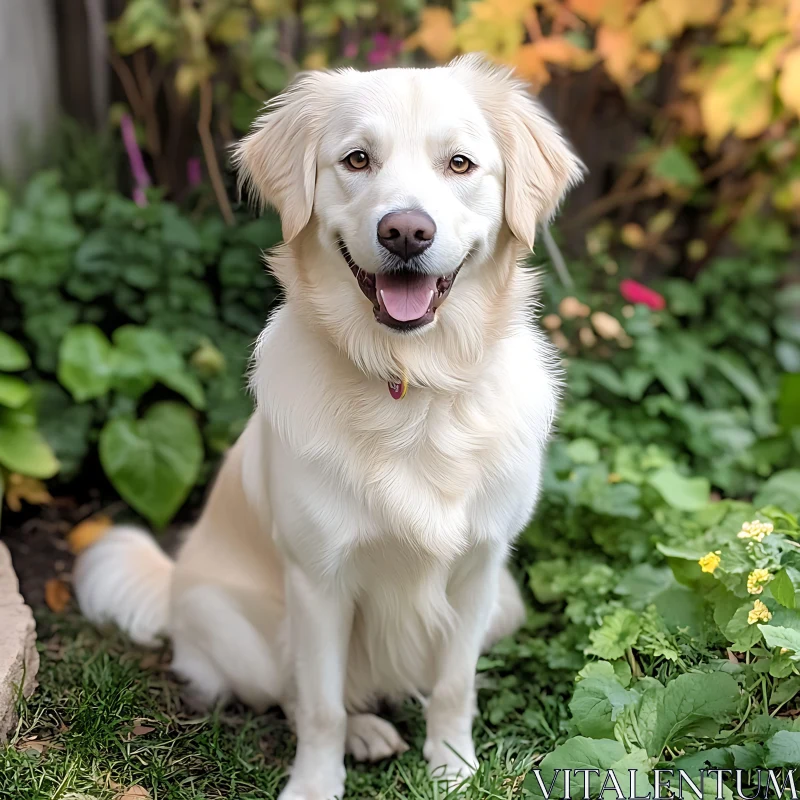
{"x": 125, "y": 578}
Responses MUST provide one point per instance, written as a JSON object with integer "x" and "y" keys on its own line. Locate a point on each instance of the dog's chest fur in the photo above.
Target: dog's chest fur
{"x": 427, "y": 475}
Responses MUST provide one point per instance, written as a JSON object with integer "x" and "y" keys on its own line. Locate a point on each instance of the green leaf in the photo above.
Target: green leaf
{"x": 581, "y": 753}
{"x": 84, "y": 362}
{"x": 685, "y": 494}
{"x": 778, "y": 636}
{"x": 690, "y": 699}
{"x": 782, "y": 490}
{"x": 675, "y": 166}
{"x": 24, "y": 450}
{"x": 616, "y": 634}
{"x": 737, "y": 371}
{"x": 789, "y": 401}
{"x": 13, "y": 357}
{"x": 740, "y": 631}
{"x": 583, "y": 451}
{"x": 153, "y": 462}
{"x": 782, "y": 589}
{"x": 596, "y": 704}
{"x": 616, "y": 500}
{"x": 783, "y": 749}
{"x": 14, "y": 392}
{"x": 144, "y": 354}
{"x": 785, "y": 690}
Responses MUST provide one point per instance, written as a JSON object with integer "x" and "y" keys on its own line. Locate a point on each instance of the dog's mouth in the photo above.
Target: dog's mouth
{"x": 402, "y": 299}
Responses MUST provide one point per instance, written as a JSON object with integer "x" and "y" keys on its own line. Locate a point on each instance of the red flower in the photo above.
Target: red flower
{"x": 635, "y": 292}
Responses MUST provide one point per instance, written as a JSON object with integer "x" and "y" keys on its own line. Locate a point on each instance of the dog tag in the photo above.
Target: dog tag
{"x": 398, "y": 389}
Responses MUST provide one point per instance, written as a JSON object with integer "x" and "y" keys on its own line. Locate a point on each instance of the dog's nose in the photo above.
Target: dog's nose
{"x": 406, "y": 233}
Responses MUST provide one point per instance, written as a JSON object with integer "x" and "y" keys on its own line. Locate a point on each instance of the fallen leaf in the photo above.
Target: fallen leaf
{"x": 133, "y": 793}
{"x": 141, "y": 730}
{"x": 56, "y": 595}
{"x": 87, "y": 533}
{"x": 31, "y": 490}
{"x": 38, "y": 747}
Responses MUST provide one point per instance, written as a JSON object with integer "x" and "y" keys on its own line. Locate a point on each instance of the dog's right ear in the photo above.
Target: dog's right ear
{"x": 277, "y": 160}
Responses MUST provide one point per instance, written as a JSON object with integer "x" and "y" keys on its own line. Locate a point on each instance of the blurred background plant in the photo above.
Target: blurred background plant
{"x": 131, "y": 291}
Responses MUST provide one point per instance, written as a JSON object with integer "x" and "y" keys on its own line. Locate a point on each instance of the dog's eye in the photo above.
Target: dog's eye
{"x": 460, "y": 164}
{"x": 357, "y": 160}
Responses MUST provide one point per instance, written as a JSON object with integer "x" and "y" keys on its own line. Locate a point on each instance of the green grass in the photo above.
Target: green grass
{"x": 76, "y": 740}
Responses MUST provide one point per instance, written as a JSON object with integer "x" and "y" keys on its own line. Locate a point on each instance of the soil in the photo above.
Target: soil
{"x": 36, "y": 538}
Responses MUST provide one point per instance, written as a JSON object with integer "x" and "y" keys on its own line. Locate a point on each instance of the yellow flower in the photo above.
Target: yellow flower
{"x": 710, "y": 561}
{"x": 756, "y": 580}
{"x": 755, "y": 530}
{"x": 759, "y": 613}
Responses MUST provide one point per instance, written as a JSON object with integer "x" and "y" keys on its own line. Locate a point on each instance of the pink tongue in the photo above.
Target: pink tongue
{"x": 405, "y": 297}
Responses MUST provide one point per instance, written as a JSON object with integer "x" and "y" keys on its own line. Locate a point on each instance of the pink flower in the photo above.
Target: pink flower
{"x": 384, "y": 49}
{"x": 140, "y": 175}
{"x": 350, "y": 50}
{"x": 194, "y": 172}
{"x": 635, "y": 292}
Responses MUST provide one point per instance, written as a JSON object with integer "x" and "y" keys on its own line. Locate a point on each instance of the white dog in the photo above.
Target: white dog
{"x": 353, "y": 548}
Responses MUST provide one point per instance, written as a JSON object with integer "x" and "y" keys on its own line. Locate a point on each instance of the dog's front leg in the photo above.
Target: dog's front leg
{"x": 320, "y": 619}
{"x": 448, "y": 745}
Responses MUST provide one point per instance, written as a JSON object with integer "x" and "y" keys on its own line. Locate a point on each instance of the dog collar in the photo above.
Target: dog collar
{"x": 398, "y": 389}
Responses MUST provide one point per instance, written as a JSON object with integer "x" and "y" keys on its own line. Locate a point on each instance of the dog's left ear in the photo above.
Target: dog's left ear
{"x": 540, "y": 166}
{"x": 278, "y": 158}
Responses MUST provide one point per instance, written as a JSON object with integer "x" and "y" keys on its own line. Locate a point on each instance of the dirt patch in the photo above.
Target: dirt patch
{"x": 36, "y": 538}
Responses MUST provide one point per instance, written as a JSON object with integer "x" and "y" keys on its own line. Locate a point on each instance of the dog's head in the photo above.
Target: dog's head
{"x": 399, "y": 189}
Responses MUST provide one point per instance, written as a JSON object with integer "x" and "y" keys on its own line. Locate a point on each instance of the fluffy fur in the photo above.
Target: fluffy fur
{"x": 353, "y": 547}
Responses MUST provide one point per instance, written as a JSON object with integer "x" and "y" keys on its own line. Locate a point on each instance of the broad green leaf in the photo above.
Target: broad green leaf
{"x": 596, "y": 704}
{"x": 783, "y": 749}
{"x": 617, "y": 633}
{"x": 65, "y": 425}
{"x": 689, "y": 699}
{"x": 84, "y": 362}
{"x": 616, "y": 500}
{"x": 737, "y": 371}
{"x": 143, "y": 354}
{"x": 582, "y": 753}
{"x": 153, "y": 462}
{"x": 782, "y": 589}
{"x": 583, "y": 451}
{"x": 675, "y": 166}
{"x": 685, "y": 494}
{"x": 782, "y": 490}
{"x": 14, "y": 392}
{"x": 778, "y": 636}
{"x": 788, "y": 400}
{"x": 24, "y": 450}
{"x": 13, "y": 357}
{"x": 742, "y": 634}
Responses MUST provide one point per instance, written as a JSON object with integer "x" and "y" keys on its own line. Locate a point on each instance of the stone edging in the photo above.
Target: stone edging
{"x": 19, "y": 659}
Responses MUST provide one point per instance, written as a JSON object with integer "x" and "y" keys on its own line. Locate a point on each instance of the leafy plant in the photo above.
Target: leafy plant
{"x": 718, "y": 81}
{"x": 116, "y": 304}
{"x": 23, "y": 449}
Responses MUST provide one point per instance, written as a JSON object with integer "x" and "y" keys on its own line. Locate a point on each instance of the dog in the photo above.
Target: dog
{"x": 354, "y": 547}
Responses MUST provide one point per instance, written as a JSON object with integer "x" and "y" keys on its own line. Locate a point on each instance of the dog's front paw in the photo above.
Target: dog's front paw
{"x": 453, "y": 762}
{"x": 370, "y": 738}
{"x": 314, "y": 786}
